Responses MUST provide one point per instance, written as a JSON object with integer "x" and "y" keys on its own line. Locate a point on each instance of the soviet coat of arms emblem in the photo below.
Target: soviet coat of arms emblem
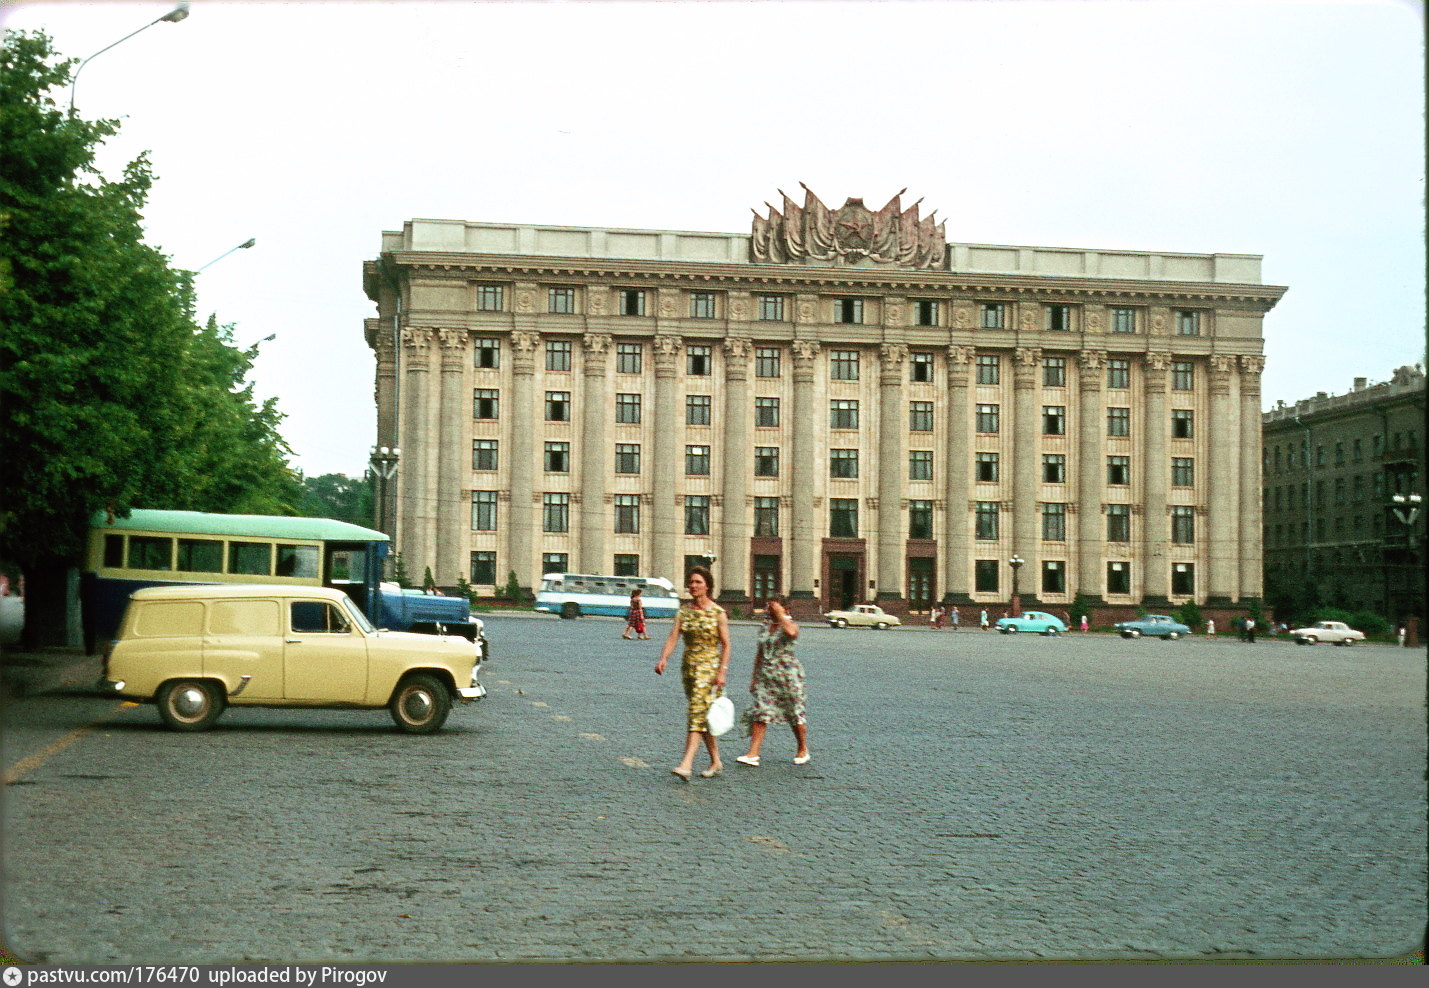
{"x": 850, "y": 234}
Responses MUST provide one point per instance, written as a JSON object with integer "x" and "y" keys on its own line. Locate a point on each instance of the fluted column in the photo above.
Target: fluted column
{"x": 1091, "y": 477}
{"x": 804, "y": 528}
{"x": 1026, "y": 478}
{"x": 956, "y": 477}
{"x": 734, "y": 527}
{"x": 1156, "y": 480}
{"x": 892, "y": 464}
{"x": 453, "y": 426}
{"x": 665, "y": 532}
{"x": 522, "y": 447}
{"x": 384, "y": 503}
{"x": 1252, "y": 549}
{"x": 1222, "y": 488}
{"x": 595, "y": 458}
{"x": 414, "y": 524}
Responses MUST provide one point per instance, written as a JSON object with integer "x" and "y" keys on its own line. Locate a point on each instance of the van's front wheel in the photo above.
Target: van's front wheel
{"x": 420, "y": 705}
{"x": 191, "y": 704}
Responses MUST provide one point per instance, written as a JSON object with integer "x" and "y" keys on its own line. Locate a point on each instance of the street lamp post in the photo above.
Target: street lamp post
{"x": 1406, "y": 511}
{"x": 383, "y": 461}
{"x": 173, "y": 17}
{"x": 1016, "y": 563}
{"x": 243, "y": 246}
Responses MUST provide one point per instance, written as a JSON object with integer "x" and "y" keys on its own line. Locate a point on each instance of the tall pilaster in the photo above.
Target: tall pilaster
{"x": 892, "y": 463}
{"x": 956, "y": 480}
{"x": 1156, "y": 480}
{"x": 665, "y": 484}
{"x": 522, "y": 449}
{"x": 413, "y": 538}
{"x": 735, "y": 529}
{"x": 1222, "y": 488}
{"x": 1091, "y": 476}
{"x": 594, "y": 457}
{"x": 384, "y": 517}
{"x": 1252, "y": 562}
{"x": 453, "y": 435}
{"x": 1026, "y": 480}
{"x": 804, "y": 527}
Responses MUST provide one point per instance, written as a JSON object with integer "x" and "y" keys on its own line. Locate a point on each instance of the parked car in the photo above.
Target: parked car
{"x": 1153, "y": 626}
{"x": 1336, "y": 632}
{"x": 862, "y": 616}
{"x": 1038, "y": 621}
{"x": 195, "y": 650}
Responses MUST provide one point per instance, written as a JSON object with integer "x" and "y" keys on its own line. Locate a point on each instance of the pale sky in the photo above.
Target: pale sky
{"x": 1288, "y": 129}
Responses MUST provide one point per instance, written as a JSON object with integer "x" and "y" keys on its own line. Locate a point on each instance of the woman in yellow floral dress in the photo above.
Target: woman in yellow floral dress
{"x": 705, "y": 628}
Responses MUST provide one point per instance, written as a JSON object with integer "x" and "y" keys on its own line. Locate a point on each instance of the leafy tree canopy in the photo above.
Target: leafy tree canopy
{"x": 336, "y": 495}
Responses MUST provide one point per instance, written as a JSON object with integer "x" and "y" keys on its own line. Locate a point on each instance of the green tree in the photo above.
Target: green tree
{"x": 336, "y": 495}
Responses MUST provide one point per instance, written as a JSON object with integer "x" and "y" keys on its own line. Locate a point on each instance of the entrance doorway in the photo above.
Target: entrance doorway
{"x": 844, "y": 583}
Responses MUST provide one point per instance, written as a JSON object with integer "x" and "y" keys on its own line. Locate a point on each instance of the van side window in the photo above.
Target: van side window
{"x": 318, "y": 617}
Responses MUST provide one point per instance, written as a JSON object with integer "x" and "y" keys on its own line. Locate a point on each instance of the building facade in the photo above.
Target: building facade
{"x": 838, "y": 405}
{"x": 1335, "y": 535}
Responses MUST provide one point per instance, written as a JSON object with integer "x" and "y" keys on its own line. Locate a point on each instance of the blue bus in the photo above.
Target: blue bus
{"x": 573, "y": 594}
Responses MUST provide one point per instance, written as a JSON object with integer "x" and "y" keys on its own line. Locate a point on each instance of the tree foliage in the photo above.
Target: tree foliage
{"x": 336, "y": 495}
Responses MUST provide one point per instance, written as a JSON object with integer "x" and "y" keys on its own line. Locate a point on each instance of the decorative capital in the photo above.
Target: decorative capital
{"x": 805, "y": 350}
{"x": 1222, "y": 363}
{"x": 1158, "y": 360}
{"x": 452, "y": 339}
{"x": 893, "y": 353}
{"x": 416, "y": 340}
{"x": 525, "y": 341}
{"x": 1252, "y": 363}
{"x": 961, "y": 355}
{"x": 1027, "y": 356}
{"x": 597, "y": 342}
{"x": 667, "y": 345}
{"x": 1092, "y": 360}
{"x": 738, "y": 346}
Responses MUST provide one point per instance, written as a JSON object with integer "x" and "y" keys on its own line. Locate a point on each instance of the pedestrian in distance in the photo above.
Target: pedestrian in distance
{"x": 1210, "y": 627}
{"x": 1084, "y": 622}
{"x": 635, "y": 617}
{"x": 703, "y": 669}
{"x": 1250, "y": 630}
{"x": 935, "y": 617}
{"x": 1401, "y": 634}
{"x": 953, "y": 616}
{"x": 982, "y": 618}
{"x": 777, "y": 684}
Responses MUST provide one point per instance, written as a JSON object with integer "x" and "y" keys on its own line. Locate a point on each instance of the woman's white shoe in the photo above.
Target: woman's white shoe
{"x": 746, "y": 760}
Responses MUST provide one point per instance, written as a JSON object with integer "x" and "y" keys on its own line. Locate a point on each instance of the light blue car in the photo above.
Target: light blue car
{"x": 1153, "y": 626}
{"x": 1039, "y": 621}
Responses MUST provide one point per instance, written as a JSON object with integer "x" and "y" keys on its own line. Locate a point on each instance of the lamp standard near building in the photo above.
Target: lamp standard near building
{"x": 173, "y": 17}
{"x": 383, "y": 461}
{"x": 1016, "y": 563}
{"x": 1406, "y": 510}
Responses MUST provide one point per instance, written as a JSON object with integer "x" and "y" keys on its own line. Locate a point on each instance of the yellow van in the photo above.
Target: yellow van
{"x": 195, "y": 650}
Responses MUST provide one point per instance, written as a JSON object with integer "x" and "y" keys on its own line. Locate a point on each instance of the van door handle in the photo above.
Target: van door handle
{"x": 293, "y": 641}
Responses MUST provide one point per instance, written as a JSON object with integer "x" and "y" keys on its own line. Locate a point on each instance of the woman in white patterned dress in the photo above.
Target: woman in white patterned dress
{"x": 777, "y": 684}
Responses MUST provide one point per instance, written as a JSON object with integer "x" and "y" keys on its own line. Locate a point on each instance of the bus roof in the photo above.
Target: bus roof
{"x": 260, "y": 526}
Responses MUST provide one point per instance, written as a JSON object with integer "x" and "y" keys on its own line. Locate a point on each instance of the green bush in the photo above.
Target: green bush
{"x": 1189, "y": 614}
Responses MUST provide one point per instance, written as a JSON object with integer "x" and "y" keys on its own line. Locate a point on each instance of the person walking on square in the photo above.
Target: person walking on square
{"x": 1084, "y": 621}
{"x": 777, "y": 684}
{"x": 935, "y": 617}
{"x": 1210, "y": 627}
{"x": 635, "y": 618}
{"x": 703, "y": 669}
{"x": 954, "y": 617}
{"x": 982, "y": 618}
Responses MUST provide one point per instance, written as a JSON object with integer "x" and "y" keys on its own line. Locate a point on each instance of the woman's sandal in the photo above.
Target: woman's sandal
{"x": 753, "y": 762}
{"x": 711, "y": 772}
{"x": 683, "y": 773}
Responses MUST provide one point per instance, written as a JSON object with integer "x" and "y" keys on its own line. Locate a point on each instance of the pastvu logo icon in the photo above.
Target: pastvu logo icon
{"x": 13, "y": 976}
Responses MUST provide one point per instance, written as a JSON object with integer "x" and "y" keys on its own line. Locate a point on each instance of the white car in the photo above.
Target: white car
{"x": 1335, "y": 632}
{"x": 863, "y": 616}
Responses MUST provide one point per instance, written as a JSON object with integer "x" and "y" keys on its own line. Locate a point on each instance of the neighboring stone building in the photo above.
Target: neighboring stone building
{"x": 839, "y": 405}
{"x": 1334, "y": 535}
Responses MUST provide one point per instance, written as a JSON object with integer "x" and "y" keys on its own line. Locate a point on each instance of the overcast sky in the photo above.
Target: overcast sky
{"x": 1293, "y": 130}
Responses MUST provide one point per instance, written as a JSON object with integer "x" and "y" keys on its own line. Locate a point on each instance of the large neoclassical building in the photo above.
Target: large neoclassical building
{"x": 838, "y": 404}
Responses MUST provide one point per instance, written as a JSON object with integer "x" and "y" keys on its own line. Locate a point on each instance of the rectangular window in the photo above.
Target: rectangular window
{"x": 1339, "y": 454}
{"x": 629, "y": 358}
{"x": 843, "y": 518}
{"x": 627, "y": 514}
{"x": 843, "y": 365}
{"x": 1054, "y": 523}
{"x": 1357, "y": 452}
{"x": 627, "y": 408}
{"x": 489, "y": 298}
{"x": 927, "y": 312}
{"x": 206, "y": 556}
{"x": 1183, "y": 523}
{"x": 920, "y": 368}
{"x": 247, "y": 558}
{"x": 985, "y": 576}
{"x": 920, "y": 416}
{"x": 843, "y": 463}
{"x": 1118, "y": 471}
{"x": 1183, "y": 579}
{"x": 1182, "y": 421}
{"x": 1118, "y": 373}
{"x": 697, "y": 410}
{"x": 1054, "y": 468}
{"x": 488, "y": 353}
{"x": 987, "y": 419}
{"x": 698, "y": 360}
{"x": 1059, "y": 317}
{"x": 1054, "y": 575}
{"x": 920, "y": 519}
{"x": 1188, "y": 322}
{"x": 558, "y": 355}
{"x": 558, "y": 457}
{"x": 632, "y": 302}
{"x": 1118, "y": 577}
{"x": 986, "y": 468}
{"x": 555, "y": 562}
{"x": 697, "y": 461}
{"x": 766, "y": 461}
{"x": 1118, "y": 523}
{"x": 702, "y": 305}
{"x": 626, "y": 564}
{"x": 483, "y": 454}
{"x": 558, "y": 406}
{"x": 843, "y": 413}
{"x": 1118, "y": 421}
{"x": 153, "y": 552}
{"x": 1182, "y": 471}
{"x": 986, "y": 520}
{"x": 766, "y": 361}
{"x": 989, "y": 369}
{"x": 920, "y": 464}
{"x": 766, "y": 413}
{"x": 697, "y": 514}
{"x": 561, "y": 300}
{"x": 1054, "y": 420}
{"x": 485, "y": 403}
{"x": 1183, "y": 375}
{"x": 990, "y": 315}
{"x": 483, "y": 511}
{"x": 771, "y": 308}
{"x": 1123, "y": 320}
{"x": 848, "y": 310}
{"x": 483, "y": 568}
{"x": 1054, "y": 372}
{"x": 766, "y": 517}
{"x": 556, "y": 513}
{"x": 627, "y": 457}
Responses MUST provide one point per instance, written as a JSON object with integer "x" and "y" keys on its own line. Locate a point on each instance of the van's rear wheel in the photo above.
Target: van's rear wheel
{"x": 420, "y": 705}
{"x": 570, "y": 609}
{"x": 191, "y": 704}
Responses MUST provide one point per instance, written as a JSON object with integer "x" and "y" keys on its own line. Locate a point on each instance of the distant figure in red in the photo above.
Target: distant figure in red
{"x": 635, "y": 619}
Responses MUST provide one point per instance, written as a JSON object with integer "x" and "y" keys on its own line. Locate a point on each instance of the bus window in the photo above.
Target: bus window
{"x": 346, "y": 565}
{"x": 150, "y": 552}
{"x": 250, "y": 558}
{"x": 200, "y": 556}
{"x": 114, "y": 551}
{"x": 298, "y": 560}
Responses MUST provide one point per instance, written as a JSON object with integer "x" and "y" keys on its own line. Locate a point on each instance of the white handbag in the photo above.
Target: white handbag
{"x": 721, "y": 716}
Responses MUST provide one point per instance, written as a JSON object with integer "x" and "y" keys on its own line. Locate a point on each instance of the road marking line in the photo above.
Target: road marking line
{"x": 25, "y": 766}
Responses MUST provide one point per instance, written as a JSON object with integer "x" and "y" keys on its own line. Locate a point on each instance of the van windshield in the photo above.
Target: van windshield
{"x": 358, "y": 618}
